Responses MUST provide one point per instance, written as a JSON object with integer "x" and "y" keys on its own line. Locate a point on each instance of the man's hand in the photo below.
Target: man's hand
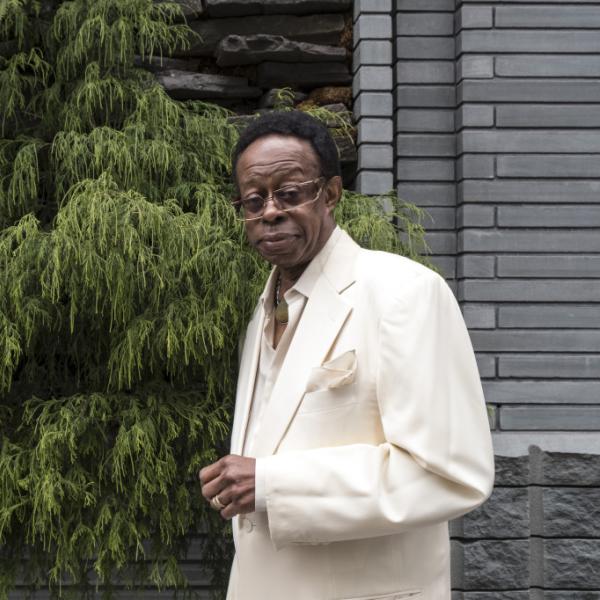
{"x": 231, "y": 478}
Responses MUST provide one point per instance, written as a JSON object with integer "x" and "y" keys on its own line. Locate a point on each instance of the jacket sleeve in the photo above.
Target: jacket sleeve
{"x": 437, "y": 460}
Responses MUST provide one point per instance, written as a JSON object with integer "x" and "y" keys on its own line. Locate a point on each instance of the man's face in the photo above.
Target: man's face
{"x": 289, "y": 239}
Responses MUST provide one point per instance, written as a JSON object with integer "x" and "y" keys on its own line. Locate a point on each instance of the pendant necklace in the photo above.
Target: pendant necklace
{"x": 281, "y": 306}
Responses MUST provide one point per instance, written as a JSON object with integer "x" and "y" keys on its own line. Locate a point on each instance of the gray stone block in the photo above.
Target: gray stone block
{"x": 192, "y": 9}
{"x": 571, "y": 564}
{"x": 372, "y": 27}
{"x": 421, "y": 72}
{"x": 564, "y": 509}
{"x": 236, "y": 8}
{"x": 527, "y": 90}
{"x": 471, "y": 215}
{"x": 424, "y": 96}
{"x": 446, "y": 265}
{"x": 544, "y": 192}
{"x": 156, "y": 64}
{"x": 548, "y": 265}
{"x": 549, "y": 216}
{"x": 550, "y": 317}
{"x": 422, "y": 47}
{"x": 479, "y": 316}
{"x": 374, "y": 182}
{"x": 538, "y": 340}
{"x": 475, "y": 67}
{"x": 441, "y": 242}
{"x": 568, "y": 468}
{"x": 549, "y": 116}
{"x": 184, "y": 85}
{"x": 553, "y": 166}
{"x": 426, "y": 144}
{"x": 486, "y": 364}
{"x": 584, "y": 366}
{"x": 548, "y": 66}
{"x": 440, "y": 218}
{"x": 375, "y": 131}
{"x": 253, "y": 49}
{"x": 508, "y": 240}
{"x": 425, "y": 24}
{"x": 428, "y": 121}
{"x": 370, "y": 104}
{"x": 421, "y": 5}
{"x": 428, "y": 194}
{"x": 303, "y": 75}
{"x": 523, "y": 40}
{"x": 425, "y": 170}
{"x": 475, "y": 166}
{"x": 495, "y": 595}
{"x": 504, "y": 515}
{"x": 542, "y": 392}
{"x": 371, "y": 6}
{"x": 550, "y": 418}
{"x": 474, "y": 115}
{"x": 474, "y": 17}
{"x": 374, "y": 156}
{"x": 475, "y": 265}
{"x": 372, "y": 52}
{"x": 368, "y": 79}
{"x": 512, "y": 470}
{"x": 520, "y": 290}
{"x": 316, "y": 29}
{"x": 548, "y": 17}
{"x": 495, "y": 564}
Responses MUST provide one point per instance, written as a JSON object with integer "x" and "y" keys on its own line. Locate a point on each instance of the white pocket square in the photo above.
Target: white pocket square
{"x": 334, "y": 373}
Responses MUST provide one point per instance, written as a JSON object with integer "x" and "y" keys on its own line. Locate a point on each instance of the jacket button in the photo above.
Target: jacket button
{"x": 247, "y": 524}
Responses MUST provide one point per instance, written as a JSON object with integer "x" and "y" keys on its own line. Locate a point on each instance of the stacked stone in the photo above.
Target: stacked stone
{"x": 537, "y": 538}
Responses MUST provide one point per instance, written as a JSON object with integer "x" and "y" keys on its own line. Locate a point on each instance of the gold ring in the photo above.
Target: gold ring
{"x": 216, "y": 503}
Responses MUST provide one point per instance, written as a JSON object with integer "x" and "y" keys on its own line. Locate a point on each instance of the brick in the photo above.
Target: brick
{"x": 372, "y": 6}
{"x": 506, "y": 240}
{"x": 584, "y": 366}
{"x": 550, "y": 317}
{"x": 474, "y": 115}
{"x": 475, "y": 67}
{"x": 428, "y": 194}
{"x": 527, "y": 90}
{"x": 563, "y": 508}
{"x": 425, "y": 47}
{"x": 529, "y": 141}
{"x": 474, "y": 17}
{"x": 425, "y": 24}
{"x": 423, "y": 96}
{"x": 548, "y": 17}
{"x": 526, "y": 40}
{"x": 550, "y": 216}
{"x": 471, "y": 215}
{"x": 550, "y": 418}
{"x": 561, "y": 192}
{"x": 512, "y": 470}
{"x": 425, "y": 170}
{"x": 473, "y": 265}
{"x": 475, "y": 166}
{"x": 421, "y": 5}
{"x": 542, "y": 392}
{"x": 375, "y": 131}
{"x": 541, "y": 115}
{"x": 532, "y": 290}
{"x": 426, "y": 144}
{"x": 373, "y": 104}
{"x": 374, "y": 182}
{"x": 425, "y": 72}
{"x": 441, "y": 242}
{"x": 425, "y": 120}
{"x": 479, "y": 316}
{"x": 556, "y": 165}
{"x": 486, "y": 364}
{"x": 377, "y": 79}
{"x": 548, "y": 66}
{"x": 568, "y": 467}
{"x": 372, "y": 27}
{"x": 440, "y": 218}
{"x": 505, "y": 340}
{"x": 372, "y": 52}
{"x": 446, "y": 265}
{"x": 549, "y": 265}
{"x": 372, "y": 156}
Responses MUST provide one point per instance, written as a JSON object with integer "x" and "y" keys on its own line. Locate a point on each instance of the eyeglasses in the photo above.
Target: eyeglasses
{"x": 289, "y": 197}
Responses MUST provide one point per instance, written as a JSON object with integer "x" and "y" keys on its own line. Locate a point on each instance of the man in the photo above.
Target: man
{"x": 360, "y": 427}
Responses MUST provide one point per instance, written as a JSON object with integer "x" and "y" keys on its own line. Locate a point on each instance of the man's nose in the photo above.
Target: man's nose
{"x": 272, "y": 211}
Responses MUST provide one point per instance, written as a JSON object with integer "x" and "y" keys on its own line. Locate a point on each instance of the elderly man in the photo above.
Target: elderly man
{"x": 360, "y": 425}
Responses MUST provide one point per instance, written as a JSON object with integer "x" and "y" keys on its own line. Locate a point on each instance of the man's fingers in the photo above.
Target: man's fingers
{"x": 208, "y": 473}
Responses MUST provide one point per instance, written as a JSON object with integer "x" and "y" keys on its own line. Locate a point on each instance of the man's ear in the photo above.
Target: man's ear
{"x": 333, "y": 192}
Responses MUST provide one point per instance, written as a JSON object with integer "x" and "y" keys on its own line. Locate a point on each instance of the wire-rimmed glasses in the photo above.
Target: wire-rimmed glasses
{"x": 286, "y": 198}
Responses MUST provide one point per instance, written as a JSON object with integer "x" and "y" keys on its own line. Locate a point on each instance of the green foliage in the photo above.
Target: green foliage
{"x": 125, "y": 282}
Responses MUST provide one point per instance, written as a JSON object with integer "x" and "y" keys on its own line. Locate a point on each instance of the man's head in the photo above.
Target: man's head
{"x": 289, "y": 150}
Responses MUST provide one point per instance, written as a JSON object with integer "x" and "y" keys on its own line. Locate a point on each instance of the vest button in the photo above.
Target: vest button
{"x": 247, "y": 524}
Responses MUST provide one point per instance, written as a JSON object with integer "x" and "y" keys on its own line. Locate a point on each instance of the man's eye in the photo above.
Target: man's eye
{"x": 289, "y": 195}
{"x": 253, "y": 203}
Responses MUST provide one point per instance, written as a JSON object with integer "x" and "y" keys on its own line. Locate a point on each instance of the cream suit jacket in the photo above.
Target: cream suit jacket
{"x": 375, "y": 435}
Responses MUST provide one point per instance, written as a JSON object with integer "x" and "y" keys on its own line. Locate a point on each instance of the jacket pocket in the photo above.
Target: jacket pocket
{"x": 389, "y": 596}
{"x": 328, "y": 399}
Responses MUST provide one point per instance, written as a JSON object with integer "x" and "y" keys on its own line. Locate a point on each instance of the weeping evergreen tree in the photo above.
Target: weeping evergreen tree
{"x": 125, "y": 282}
